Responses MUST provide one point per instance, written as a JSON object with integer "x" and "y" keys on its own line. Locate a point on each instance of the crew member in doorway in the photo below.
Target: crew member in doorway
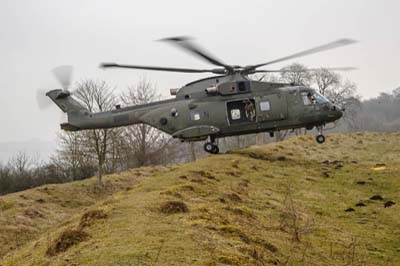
{"x": 311, "y": 98}
{"x": 250, "y": 110}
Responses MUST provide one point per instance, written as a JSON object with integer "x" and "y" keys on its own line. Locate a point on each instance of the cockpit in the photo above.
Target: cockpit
{"x": 313, "y": 97}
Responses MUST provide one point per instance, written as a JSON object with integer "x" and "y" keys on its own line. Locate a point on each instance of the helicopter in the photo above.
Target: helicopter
{"x": 228, "y": 103}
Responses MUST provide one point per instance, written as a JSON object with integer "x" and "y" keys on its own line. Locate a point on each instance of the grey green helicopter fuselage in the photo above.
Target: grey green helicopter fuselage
{"x": 213, "y": 107}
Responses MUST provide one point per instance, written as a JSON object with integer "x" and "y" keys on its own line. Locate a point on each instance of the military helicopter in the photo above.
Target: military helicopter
{"x": 228, "y": 103}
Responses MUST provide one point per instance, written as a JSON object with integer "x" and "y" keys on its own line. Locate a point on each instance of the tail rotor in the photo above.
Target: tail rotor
{"x": 63, "y": 75}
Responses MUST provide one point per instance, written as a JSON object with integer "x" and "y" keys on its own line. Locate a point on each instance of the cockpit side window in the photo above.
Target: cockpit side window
{"x": 313, "y": 98}
{"x": 307, "y": 98}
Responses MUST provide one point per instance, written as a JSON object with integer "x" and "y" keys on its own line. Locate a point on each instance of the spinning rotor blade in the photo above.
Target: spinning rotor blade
{"x": 171, "y": 69}
{"x": 42, "y": 100}
{"x": 185, "y": 43}
{"x": 63, "y": 74}
{"x": 305, "y": 70}
{"x": 325, "y": 47}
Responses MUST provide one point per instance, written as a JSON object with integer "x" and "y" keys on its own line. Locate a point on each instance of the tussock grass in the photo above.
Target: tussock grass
{"x": 25, "y": 215}
{"x": 67, "y": 239}
{"x": 90, "y": 217}
{"x": 241, "y": 210}
{"x": 174, "y": 207}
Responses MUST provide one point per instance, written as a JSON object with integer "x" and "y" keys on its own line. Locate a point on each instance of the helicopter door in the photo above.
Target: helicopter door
{"x": 271, "y": 107}
{"x": 242, "y": 111}
{"x": 308, "y": 106}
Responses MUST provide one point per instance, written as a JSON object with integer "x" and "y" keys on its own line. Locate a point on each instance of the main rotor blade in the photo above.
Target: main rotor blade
{"x": 171, "y": 69}
{"x": 186, "y": 44}
{"x": 304, "y": 70}
{"x": 63, "y": 74}
{"x": 325, "y": 47}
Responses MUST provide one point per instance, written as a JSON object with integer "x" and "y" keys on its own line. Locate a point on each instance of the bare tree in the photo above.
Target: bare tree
{"x": 342, "y": 93}
{"x": 144, "y": 145}
{"x": 296, "y": 74}
{"x": 97, "y": 96}
{"x": 20, "y": 163}
{"x": 72, "y": 157}
{"x": 325, "y": 80}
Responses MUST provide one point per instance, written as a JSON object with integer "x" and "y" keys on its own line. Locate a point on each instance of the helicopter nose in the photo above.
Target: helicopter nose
{"x": 338, "y": 111}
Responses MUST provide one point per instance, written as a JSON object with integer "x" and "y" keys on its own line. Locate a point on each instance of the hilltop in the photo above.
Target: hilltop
{"x": 289, "y": 203}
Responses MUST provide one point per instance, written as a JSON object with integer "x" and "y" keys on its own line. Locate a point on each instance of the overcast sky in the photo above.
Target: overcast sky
{"x": 36, "y": 36}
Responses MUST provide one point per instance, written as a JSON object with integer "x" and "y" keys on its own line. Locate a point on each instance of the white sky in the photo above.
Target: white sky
{"x": 36, "y": 36}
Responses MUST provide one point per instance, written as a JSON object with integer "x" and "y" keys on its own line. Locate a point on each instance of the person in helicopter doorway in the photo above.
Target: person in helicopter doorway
{"x": 249, "y": 109}
{"x": 311, "y": 98}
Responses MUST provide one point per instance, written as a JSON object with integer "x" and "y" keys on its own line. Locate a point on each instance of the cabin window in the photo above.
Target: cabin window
{"x": 235, "y": 114}
{"x": 194, "y": 115}
{"x": 242, "y": 86}
{"x": 174, "y": 112}
{"x": 265, "y": 106}
{"x": 242, "y": 111}
{"x": 307, "y": 98}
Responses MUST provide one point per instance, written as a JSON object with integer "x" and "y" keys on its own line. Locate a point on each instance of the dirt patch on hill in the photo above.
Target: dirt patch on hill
{"x": 90, "y": 217}
{"x": 170, "y": 207}
{"x": 67, "y": 239}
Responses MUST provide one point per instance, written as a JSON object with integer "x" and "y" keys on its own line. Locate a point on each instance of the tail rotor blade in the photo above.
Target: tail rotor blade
{"x": 42, "y": 100}
{"x": 64, "y": 75}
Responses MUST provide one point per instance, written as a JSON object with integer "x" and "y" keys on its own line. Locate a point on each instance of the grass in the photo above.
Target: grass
{"x": 241, "y": 208}
{"x": 26, "y": 215}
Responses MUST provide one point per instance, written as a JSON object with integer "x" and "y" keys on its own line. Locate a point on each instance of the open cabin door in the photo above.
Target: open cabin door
{"x": 242, "y": 111}
{"x": 271, "y": 107}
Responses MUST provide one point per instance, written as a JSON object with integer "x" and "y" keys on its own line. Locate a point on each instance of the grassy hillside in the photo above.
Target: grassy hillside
{"x": 290, "y": 203}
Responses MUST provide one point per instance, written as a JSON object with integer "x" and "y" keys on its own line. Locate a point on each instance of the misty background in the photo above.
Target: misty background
{"x": 36, "y": 36}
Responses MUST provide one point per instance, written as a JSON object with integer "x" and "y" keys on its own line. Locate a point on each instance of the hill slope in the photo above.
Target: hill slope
{"x": 289, "y": 203}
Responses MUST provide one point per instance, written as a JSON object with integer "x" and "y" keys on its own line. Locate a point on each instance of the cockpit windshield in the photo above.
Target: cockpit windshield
{"x": 313, "y": 97}
{"x": 319, "y": 98}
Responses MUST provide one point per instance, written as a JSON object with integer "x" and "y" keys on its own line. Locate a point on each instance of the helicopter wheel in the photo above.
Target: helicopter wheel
{"x": 320, "y": 139}
{"x": 211, "y": 148}
{"x": 215, "y": 150}
{"x": 208, "y": 147}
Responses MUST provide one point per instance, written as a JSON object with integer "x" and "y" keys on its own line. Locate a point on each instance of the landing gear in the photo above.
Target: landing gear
{"x": 320, "y": 138}
{"x": 215, "y": 150}
{"x": 211, "y": 146}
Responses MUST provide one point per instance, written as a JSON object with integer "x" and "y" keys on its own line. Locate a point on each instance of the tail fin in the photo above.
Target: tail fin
{"x": 64, "y": 100}
{"x": 68, "y": 105}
